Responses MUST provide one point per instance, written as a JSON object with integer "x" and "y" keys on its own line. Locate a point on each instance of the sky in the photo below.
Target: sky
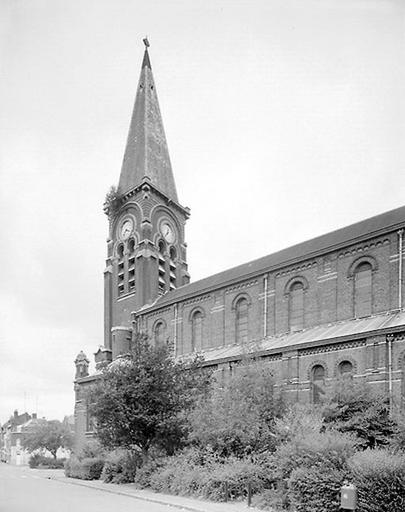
{"x": 285, "y": 119}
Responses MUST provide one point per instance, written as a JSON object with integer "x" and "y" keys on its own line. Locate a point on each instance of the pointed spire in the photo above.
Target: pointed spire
{"x": 146, "y": 153}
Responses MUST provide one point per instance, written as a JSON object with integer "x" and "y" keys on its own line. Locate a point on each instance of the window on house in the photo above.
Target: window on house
{"x": 159, "y": 333}
{"x": 345, "y": 370}
{"x": 296, "y": 306}
{"x": 317, "y": 383}
{"x": 362, "y": 290}
{"x": 242, "y": 307}
{"x": 196, "y": 331}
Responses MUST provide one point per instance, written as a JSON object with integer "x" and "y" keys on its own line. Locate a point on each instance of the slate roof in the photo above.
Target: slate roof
{"x": 374, "y": 226}
{"x": 319, "y": 335}
{"x": 146, "y": 153}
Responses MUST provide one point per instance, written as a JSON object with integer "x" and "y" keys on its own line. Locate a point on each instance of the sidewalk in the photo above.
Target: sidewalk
{"x": 179, "y": 502}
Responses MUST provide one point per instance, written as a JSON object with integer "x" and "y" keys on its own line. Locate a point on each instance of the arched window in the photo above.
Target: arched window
{"x": 196, "y": 331}
{"x": 345, "y": 370}
{"x": 317, "y": 383}
{"x": 362, "y": 290}
{"x": 159, "y": 333}
{"x": 296, "y": 306}
{"x": 242, "y": 311}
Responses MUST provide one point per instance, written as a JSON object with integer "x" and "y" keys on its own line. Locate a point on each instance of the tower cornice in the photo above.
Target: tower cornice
{"x": 146, "y": 185}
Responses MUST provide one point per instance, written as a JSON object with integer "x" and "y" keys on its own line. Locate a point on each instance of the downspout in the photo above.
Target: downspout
{"x": 266, "y": 284}
{"x": 390, "y": 339}
{"x": 400, "y": 255}
{"x": 175, "y": 329}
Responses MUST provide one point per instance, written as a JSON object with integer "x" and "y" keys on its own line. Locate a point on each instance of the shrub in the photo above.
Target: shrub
{"x": 298, "y": 420}
{"x": 202, "y": 473}
{"x": 35, "y": 460}
{"x": 92, "y": 468}
{"x": 238, "y": 418}
{"x": 270, "y": 499}
{"x": 237, "y": 474}
{"x": 316, "y": 488}
{"x": 330, "y": 449}
{"x": 120, "y": 467}
{"x": 38, "y": 460}
{"x": 73, "y": 467}
{"x": 91, "y": 449}
{"x": 147, "y": 470}
{"x": 86, "y": 469}
{"x": 380, "y": 479}
{"x": 52, "y": 463}
{"x": 355, "y": 407}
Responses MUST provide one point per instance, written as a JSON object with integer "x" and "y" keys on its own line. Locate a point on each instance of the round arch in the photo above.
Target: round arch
{"x": 294, "y": 280}
{"x": 359, "y": 261}
{"x": 239, "y": 297}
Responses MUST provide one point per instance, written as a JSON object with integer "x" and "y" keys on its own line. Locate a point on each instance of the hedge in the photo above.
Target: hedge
{"x": 89, "y": 468}
{"x": 380, "y": 479}
{"x": 120, "y": 467}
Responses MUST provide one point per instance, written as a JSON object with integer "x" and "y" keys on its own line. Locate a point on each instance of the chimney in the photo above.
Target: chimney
{"x": 34, "y": 415}
{"x": 16, "y": 414}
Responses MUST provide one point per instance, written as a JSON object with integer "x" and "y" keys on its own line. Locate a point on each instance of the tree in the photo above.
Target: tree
{"x": 142, "y": 399}
{"x": 48, "y": 435}
{"x": 238, "y": 418}
{"x": 354, "y": 407}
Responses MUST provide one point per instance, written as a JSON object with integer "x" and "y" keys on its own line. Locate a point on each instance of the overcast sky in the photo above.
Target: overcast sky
{"x": 284, "y": 120}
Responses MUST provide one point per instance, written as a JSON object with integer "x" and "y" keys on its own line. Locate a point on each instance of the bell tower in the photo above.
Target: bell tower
{"x": 146, "y": 250}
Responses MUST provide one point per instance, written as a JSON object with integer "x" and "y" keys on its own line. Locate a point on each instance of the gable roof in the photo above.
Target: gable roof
{"x": 371, "y": 227}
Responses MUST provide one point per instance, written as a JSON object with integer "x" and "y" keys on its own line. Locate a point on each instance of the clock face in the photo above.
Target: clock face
{"x": 167, "y": 232}
{"x": 126, "y": 228}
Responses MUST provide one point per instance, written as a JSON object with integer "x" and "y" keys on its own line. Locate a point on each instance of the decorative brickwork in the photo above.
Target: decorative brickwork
{"x": 295, "y": 309}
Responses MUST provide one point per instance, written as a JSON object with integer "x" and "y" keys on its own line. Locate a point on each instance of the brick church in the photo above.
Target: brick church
{"x": 324, "y": 308}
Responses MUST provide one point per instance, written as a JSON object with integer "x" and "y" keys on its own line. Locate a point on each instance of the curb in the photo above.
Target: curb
{"x": 130, "y": 495}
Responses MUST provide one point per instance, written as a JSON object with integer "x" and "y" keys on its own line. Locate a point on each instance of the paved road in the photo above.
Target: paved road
{"x": 23, "y": 490}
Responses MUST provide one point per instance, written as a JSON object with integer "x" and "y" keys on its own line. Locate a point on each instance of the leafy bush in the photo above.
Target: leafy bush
{"x": 316, "y": 488}
{"x": 121, "y": 466}
{"x": 35, "y": 460}
{"x": 38, "y": 460}
{"x": 298, "y": 420}
{"x": 271, "y": 499}
{"x": 73, "y": 467}
{"x": 52, "y": 463}
{"x": 147, "y": 470}
{"x": 237, "y": 474}
{"x": 380, "y": 479}
{"x": 89, "y": 468}
{"x": 329, "y": 449}
{"x": 354, "y": 407}
{"x": 91, "y": 449}
{"x": 238, "y": 418}
{"x": 397, "y": 442}
{"x": 201, "y": 473}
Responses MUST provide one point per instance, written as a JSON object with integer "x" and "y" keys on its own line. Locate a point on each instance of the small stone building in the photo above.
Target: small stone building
{"x": 327, "y": 307}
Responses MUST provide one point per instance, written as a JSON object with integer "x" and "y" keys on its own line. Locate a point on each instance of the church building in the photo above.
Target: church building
{"x": 314, "y": 312}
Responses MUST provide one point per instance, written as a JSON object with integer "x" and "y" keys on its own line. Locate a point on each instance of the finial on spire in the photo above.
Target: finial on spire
{"x": 146, "y": 42}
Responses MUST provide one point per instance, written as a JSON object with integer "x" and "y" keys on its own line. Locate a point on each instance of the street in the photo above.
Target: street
{"x": 23, "y": 489}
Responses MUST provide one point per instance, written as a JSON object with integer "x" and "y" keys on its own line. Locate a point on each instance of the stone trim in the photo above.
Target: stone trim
{"x": 332, "y": 348}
